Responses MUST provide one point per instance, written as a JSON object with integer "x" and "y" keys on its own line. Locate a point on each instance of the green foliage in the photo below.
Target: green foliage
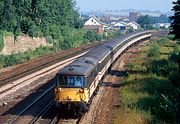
{"x": 34, "y": 17}
{"x": 131, "y": 29}
{"x": 1, "y": 42}
{"x": 160, "y": 19}
{"x": 163, "y": 40}
{"x": 175, "y": 25}
{"x": 154, "y": 50}
{"x": 56, "y": 20}
{"x": 170, "y": 36}
{"x": 175, "y": 55}
{"x": 92, "y": 36}
{"x": 13, "y": 59}
{"x": 145, "y": 22}
{"x": 163, "y": 67}
{"x": 157, "y": 91}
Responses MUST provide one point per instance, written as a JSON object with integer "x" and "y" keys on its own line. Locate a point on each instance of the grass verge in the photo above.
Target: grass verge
{"x": 149, "y": 97}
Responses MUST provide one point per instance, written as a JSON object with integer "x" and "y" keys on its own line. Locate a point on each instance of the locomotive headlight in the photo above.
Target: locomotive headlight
{"x": 81, "y": 90}
{"x": 69, "y": 98}
{"x": 56, "y": 90}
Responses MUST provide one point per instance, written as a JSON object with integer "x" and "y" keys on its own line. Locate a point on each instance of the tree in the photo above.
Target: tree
{"x": 144, "y": 21}
{"x": 35, "y": 16}
{"x": 175, "y": 24}
{"x": 8, "y": 15}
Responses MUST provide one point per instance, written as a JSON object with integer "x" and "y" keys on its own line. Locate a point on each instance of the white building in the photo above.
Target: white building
{"x": 134, "y": 25}
{"x": 93, "y": 21}
{"x": 95, "y": 24}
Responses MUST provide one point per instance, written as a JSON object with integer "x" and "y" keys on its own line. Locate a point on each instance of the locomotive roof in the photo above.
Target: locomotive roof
{"x": 78, "y": 67}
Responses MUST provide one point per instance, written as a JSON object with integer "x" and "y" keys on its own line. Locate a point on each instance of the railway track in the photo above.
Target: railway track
{"x": 33, "y": 76}
{"x": 33, "y": 105}
{"x": 37, "y": 119}
{"x": 27, "y": 74}
{"x": 32, "y": 66}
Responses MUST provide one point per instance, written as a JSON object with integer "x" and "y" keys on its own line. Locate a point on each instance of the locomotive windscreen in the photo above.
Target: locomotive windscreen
{"x": 71, "y": 81}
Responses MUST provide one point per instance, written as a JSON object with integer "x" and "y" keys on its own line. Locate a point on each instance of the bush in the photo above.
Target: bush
{"x": 154, "y": 51}
{"x": 50, "y": 39}
{"x": 92, "y": 36}
{"x": 163, "y": 40}
{"x": 163, "y": 67}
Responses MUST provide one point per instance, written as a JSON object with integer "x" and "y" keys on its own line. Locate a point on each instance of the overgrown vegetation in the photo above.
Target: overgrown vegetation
{"x": 153, "y": 51}
{"x": 56, "y": 20}
{"x": 78, "y": 37}
{"x": 151, "y": 92}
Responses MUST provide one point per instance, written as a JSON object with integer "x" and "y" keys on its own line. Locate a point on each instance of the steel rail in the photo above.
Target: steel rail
{"x": 30, "y": 105}
{"x": 42, "y": 112}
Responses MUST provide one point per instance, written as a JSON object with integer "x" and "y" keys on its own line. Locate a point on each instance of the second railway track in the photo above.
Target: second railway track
{"x": 32, "y": 66}
{"x": 36, "y": 105}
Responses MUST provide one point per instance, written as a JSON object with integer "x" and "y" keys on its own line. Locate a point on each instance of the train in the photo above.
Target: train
{"x": 77, "y": 82}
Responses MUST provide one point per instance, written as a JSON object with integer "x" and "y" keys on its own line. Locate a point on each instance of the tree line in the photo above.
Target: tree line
{"x": 37, "y": 17}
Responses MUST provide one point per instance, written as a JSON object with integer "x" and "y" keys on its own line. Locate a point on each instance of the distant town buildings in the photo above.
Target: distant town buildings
{"x": 119, "y": 20}
{"x": 133, "y": 16}
{"x": 122, "y": 25}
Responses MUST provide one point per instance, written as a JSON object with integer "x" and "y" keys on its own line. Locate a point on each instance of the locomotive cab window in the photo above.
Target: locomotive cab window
{"x": 62, "y": 80}
{"x": 71, "y": 81}
{"x": 76, "y": 81}
{"x": 79, "y": 81}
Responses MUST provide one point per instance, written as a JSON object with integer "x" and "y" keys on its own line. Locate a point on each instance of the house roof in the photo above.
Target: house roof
{"x": 100, "y": 22}
{"x": 121, "y": 23}
{"x": 97, "y": 20}
{"x": 132, "y": 22}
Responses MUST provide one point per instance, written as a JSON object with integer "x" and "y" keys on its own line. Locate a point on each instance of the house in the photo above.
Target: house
{"x": 95, "y": 24}
{"x": 134, "y": 25}
{"x": 121, "y": 26}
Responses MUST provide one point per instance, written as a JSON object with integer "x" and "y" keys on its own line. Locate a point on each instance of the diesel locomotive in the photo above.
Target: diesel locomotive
{"x": 77, "y": 82}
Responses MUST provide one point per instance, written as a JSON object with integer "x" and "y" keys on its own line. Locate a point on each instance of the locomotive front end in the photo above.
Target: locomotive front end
{"x": 70, "y": 91}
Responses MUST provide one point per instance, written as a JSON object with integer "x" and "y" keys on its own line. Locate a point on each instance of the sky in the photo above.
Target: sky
{"x": 152, "y": 5}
